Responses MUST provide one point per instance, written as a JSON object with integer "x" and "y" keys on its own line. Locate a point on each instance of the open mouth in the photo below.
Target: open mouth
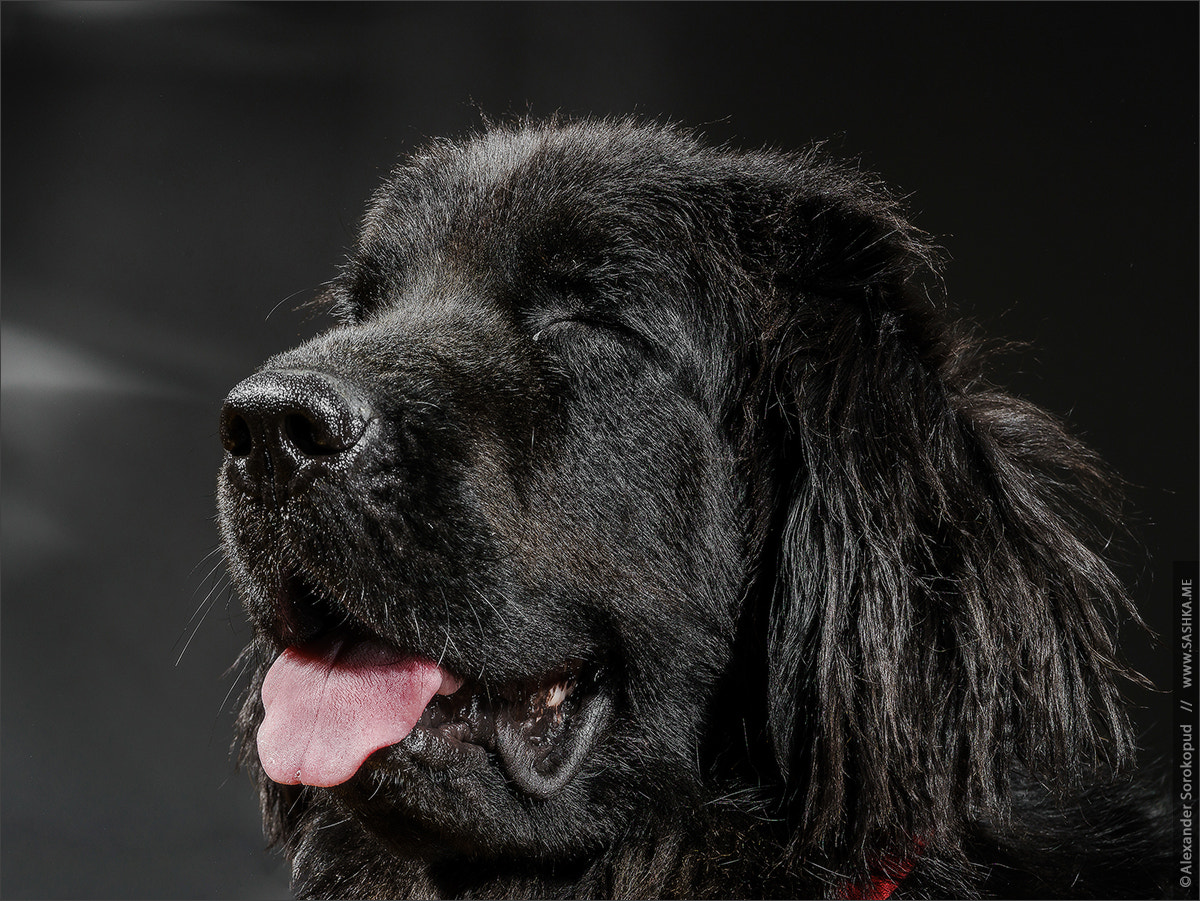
{"x": 331, "y": 702}
{"x": 540, "y": 729}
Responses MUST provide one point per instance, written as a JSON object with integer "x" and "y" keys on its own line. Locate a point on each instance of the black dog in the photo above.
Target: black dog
{"x": 642, "y": 530}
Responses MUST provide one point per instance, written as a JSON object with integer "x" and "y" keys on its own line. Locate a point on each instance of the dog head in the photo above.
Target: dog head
{"x": 638, "y": 475}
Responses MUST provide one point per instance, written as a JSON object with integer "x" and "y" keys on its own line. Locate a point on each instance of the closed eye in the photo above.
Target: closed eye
{"x": 594, "y": 325}
{"x": 585, "y": 338}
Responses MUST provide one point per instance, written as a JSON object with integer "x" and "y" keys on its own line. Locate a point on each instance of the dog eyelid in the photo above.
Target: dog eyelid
{"x": 543, "y": 331}
{"x": 616, "y": 328}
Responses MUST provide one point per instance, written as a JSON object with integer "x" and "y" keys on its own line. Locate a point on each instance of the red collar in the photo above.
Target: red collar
{"x": 888, "y": 875}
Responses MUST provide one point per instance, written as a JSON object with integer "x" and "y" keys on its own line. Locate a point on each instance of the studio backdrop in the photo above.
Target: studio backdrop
{"x": 180, "y": 179}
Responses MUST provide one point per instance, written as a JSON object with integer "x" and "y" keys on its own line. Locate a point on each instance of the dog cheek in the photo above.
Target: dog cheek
{"x": 646, "y": 522}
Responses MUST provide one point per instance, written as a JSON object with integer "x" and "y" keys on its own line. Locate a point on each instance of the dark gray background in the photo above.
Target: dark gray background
{"x": 177, "y": 178}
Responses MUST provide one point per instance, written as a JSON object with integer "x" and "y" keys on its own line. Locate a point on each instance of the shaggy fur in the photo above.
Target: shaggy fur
{"x": 687, "y": 427}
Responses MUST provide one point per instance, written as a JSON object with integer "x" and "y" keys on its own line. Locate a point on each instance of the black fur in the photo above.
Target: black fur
{"x": 694, "y": 421}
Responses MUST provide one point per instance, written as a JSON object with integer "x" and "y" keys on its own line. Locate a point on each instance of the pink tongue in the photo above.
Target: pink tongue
{"x": 332, "y": 704}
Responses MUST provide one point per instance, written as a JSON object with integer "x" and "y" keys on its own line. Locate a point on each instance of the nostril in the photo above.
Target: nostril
{"x": 311, "y": 438}
{"x": 235, "y": 435}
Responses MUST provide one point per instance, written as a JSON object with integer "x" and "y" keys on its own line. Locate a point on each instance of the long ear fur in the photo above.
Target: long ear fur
{"x": 938, "y": 616}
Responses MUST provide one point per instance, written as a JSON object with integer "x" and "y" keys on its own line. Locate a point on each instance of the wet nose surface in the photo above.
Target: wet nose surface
{"x": 281, "y": 428}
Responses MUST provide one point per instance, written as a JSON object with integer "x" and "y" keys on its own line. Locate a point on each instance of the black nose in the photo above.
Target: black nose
{"x": 282, "y": 427}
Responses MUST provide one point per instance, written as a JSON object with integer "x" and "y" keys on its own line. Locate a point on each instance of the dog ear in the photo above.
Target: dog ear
{"x": 937, "y": 616}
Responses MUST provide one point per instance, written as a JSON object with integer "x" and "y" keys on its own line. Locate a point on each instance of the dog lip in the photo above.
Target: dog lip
{"x": 305, "y": 613}
{"x": 542, "y": 753}
{"x": 308, "y": 617}
{"x": 540, "y": 731}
